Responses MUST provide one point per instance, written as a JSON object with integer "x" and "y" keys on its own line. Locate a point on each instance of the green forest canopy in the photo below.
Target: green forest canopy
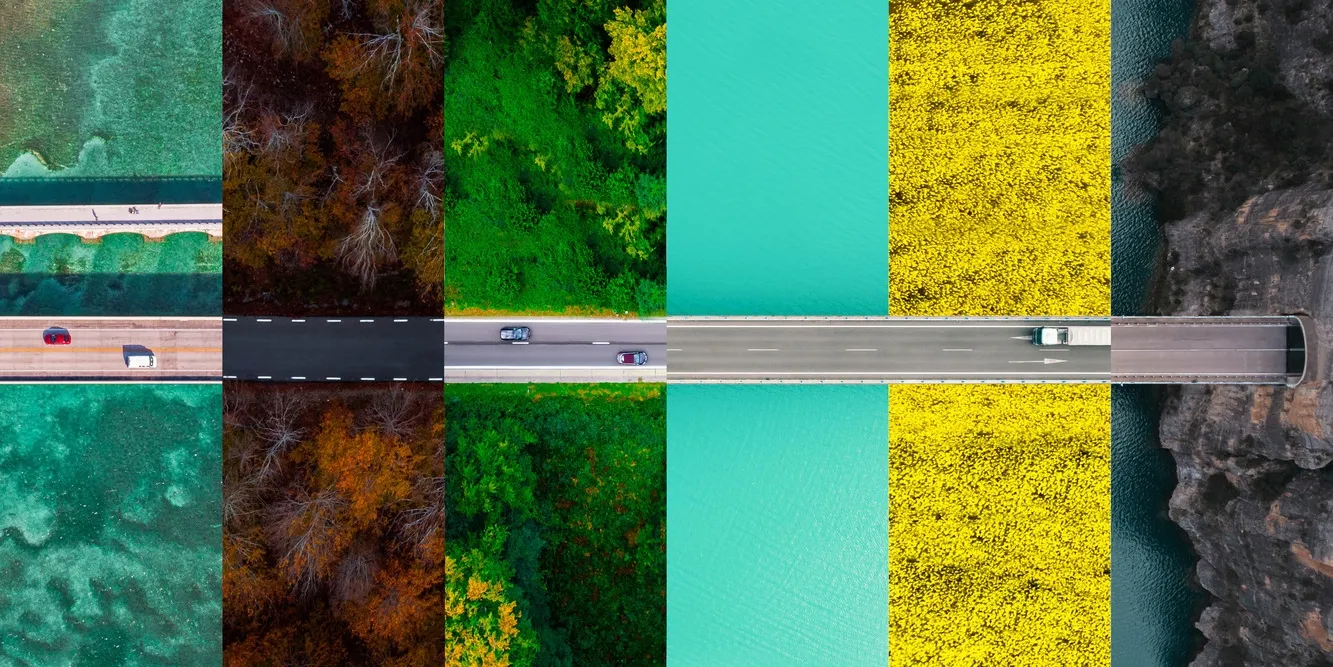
{"x": 555, "y": 156}
{"x": 556, "y": 520}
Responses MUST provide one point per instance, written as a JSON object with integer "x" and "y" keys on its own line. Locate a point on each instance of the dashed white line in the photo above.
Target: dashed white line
{"x": 298, "y": 320}
{"x": 956, "y": 349}
{"x": 400, "y": 379}
{"x": 862, "y": 349}
{"x": 601, "y": 342}
{"x": 228, "y": 319}
{"x": 266, "y": 377}
{"x": 400, "y": 320}
{"x": 332, "y": 320}
{"x": 263, "y": 320}
{"x": 368, "y": 379}
{"x": 298, "y": 377}
{"x": 762, "y": 349}
{"x": 228, "y": 377}
{"x": 436, "y": 380}
{"x": 673, "y": 349}
{"x": 520, "y": 342}
{"x": 329, "y": 378}
{"x": 367, "y": 320}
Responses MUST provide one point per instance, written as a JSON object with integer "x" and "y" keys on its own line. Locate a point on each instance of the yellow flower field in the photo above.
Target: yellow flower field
{"x": 999, "y": 525}
{"x": 999, "y": 157}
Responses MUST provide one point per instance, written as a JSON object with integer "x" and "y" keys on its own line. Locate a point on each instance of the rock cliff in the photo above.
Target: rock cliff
{"x": 1243, "y": 173}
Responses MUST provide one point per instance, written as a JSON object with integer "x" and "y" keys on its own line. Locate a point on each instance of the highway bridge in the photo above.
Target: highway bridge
{"x": 153, "y": 221}
{"x": 187, "y": 349}
{"x": 874, "y": 350}
{"x": 879, "y": 350}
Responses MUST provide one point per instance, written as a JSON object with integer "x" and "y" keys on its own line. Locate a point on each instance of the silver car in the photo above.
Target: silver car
{"x": 515, "y": 333}
{"x": 632, "y": 358}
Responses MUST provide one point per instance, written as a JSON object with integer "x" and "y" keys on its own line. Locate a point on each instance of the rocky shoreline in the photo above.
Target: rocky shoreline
{"x": 1243, "y": 173}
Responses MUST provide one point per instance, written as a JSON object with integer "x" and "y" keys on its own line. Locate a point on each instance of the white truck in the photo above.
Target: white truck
{"x": 1072, "y": 336}
{"x": 137, "y": 359}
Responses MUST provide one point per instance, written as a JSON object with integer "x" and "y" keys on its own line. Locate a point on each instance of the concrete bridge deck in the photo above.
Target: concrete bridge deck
{"x": 154, "y": 221}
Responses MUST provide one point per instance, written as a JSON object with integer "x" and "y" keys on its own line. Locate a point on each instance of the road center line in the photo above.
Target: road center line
{"x": 367, "y": 320}
{"x": 601, "y": 342}
{"x": 332, "y": 320}
{"x": 400, "y": 320}
{"x": 264, "y": 320}
{"x": 298, "y": 377}
{"x": 298, "y": 320}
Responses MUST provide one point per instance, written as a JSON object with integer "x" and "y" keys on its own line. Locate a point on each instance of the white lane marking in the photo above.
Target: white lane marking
{"x": 298, "y": 320}
{"x": 228, "y": 377}
{"x": 400, "y": 320}
{"x": 1200, "y": 349}
{"x": 446, "y": 342}
{"x": 228, "y": 319}
{"x": 1020, "y": 337}
{"x": 762, "y": 349}
{"x": 266, "y": 377}
{"x": 263, "y": 320}
{"x": 435, "y": 380}
{"x": 673, "y": 349}
{"x": 1041, "y": 361}
{"x": 957, "y": 349}
{"x": 400, "y": 379}
{"x": 367, "y": 320}
{"x": 328, "y": 378}
{"x": 298, "y": 377}
{"x": 599, "y": 342}
{"x": 437, "y": 319}
{"x": 332, "y": 320}
{"x": 520, "y": 342}
{"x": 862, "y": 349}
{"x": 368, "y": 379}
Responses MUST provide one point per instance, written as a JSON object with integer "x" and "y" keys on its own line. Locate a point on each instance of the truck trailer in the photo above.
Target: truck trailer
{"x": 1072, "y": 336}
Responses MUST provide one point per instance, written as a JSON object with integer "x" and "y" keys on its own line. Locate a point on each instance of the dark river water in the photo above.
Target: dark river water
{"x": 1152, "y": 603}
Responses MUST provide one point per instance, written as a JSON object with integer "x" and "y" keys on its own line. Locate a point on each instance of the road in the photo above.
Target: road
{"x": 560, "y": 350}
{"x": 187, "y": 349}
{"x": 117, "y": 214}
{"x": 1165, "y": 349}
{"x": 867, "y": 350}
{"x": 334, "y": 349}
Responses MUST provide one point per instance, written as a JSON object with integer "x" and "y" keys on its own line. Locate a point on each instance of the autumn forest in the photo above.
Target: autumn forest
{"x": 332, "y": 162}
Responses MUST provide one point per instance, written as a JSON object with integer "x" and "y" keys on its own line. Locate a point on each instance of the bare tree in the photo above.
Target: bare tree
{"x": 418, "y": 28}
{"x": 279, "y": 432}
{"x": 284, "y": 25}
{"x": 303, "y": 527}
{"x": 429, "y": 181}
{"x": 366, "y": 248}
{"x": 356, "y": 573}
{"x": 382, "y": 159}
{"x": 238, "y": 138}
{"x": 421, "y": 524}
{"x": 394, "y": 412}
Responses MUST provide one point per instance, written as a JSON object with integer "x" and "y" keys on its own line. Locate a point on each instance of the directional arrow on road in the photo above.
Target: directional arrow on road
{"x": 1043, "y": 361}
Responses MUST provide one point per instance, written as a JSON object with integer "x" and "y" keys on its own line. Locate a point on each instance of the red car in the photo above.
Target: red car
{"x": 58, "y": 337}
{"x": 632, "y": 358}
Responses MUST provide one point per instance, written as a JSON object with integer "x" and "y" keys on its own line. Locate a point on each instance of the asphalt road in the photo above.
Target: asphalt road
{"x": 556, "y": 344}
{"x": 186, "y": 349}
{"x": 334, "y": 349}
{"x": 1171, "y": 349}
{"x": 856, "y": 350}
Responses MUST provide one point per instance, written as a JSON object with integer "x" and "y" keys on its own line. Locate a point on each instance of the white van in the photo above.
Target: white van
{"x": 140, "y": 360}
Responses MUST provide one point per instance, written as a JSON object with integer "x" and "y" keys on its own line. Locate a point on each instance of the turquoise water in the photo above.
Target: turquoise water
{"x": 777, "y": 524}
{"x": 110, "y": 542}
{"x": 777, "y": 157}
{"x": 1151, "y": 603}
{"x": 777, "y": 502}
{"x": 113, "y": 88}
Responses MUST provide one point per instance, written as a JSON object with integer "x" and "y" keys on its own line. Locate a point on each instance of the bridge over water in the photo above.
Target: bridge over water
{"x": 154, "y": 221}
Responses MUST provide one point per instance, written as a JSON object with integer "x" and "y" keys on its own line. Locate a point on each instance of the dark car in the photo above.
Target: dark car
{"x": 515, "y": 333}
{"x": 632, "y": 358}
{"x": 56, "y": 337}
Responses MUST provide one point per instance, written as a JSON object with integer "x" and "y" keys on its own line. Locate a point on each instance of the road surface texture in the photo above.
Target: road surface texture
{"x": 333, "y": 349}
{"x": 151, "y": 220}
{"x": 1205, "y": 350}
{"x": 991, "y": 350}
{"x": 187, "y": 349}
{"x": 559, "y": 350}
